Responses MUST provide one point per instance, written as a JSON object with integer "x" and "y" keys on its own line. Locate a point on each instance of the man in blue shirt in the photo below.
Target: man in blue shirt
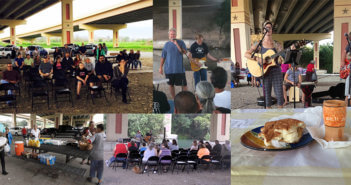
{"x": 172, "y": 61}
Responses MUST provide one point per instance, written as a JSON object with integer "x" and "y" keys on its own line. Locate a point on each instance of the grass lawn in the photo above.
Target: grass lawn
{"x": 137, "y": 45}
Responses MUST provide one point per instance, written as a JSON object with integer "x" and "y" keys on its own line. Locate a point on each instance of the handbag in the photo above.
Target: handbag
{"x": 314, "y": 76}
{"x": 7, "y": 148}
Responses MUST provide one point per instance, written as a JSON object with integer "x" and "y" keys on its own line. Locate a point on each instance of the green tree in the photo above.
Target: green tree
{"x": 222, "y": 18}
{"x": 145, "y": 123}
{"x": 326, "y": 58}
{"x": 191, "y": 126}
{"x": 306, "y": 57}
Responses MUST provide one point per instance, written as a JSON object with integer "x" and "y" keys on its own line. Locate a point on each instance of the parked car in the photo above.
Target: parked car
{"x": 41, "y": 50}
{"x": 66, "y": 129}
{"x": 49, "y": 131}
{"x": 90, "y": 49}
{"x": 16, "y": 131}
{"x": 11, "y": 46}
{"x": 5, "y": 52}
{"x": 74, "y": 48}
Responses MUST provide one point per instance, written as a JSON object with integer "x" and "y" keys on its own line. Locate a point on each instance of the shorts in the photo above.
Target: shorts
{"x": 177, "y": 79}
{"x": 288, "y": 85}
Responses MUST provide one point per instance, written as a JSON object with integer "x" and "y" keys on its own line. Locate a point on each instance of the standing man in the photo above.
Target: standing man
{"x": 97, "y": 154}
{"x": 199, "y": 52}
{"x": 24, "y": 133}
{"x": 273, "y": 77}
{"x": 82, "y": 51}
{"x": 65, "y": 50}
{"x": 172, "y": 59}
{"x": 138, "y": 138}
{"x": 2, "y": 154}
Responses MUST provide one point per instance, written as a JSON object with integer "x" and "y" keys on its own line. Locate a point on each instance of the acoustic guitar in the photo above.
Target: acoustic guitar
{"x": 194, "y": 64}
{"x": 269, "y": 60}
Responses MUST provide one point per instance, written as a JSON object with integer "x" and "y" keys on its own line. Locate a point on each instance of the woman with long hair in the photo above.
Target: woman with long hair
{"x": 204, "y": 94}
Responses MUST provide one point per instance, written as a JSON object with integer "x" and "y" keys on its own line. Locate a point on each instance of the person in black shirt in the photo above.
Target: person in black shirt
{"x": 67, "y": 63}
{"x": 160, "y": 104}
{"x": 217, "y": 148}
{"x": 103, "y": 69}
{"x": 82, "y": 78}
{"x": 199, "y": 50}
{"x": 82, "y": 49}
{"x": 57, "y": 53}
{"x": 120, "y": 80}
{"x": 132, "y": 147}
{"x": 59, "y": 72}
{"x": 120, "y": 56}
{"x": 131, "y": 59}
{"x": 137, "y": 59}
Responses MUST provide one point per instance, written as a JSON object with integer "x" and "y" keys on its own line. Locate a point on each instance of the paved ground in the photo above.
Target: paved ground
{"x": 140, "y": 88}
{"x": 121, "y": 176}
{"x": 245, "y": 96}
{"x": 29, "y": 173}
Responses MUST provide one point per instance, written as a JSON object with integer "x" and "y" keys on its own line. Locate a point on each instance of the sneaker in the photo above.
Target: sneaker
{"x": 106, "y": 161}
{"x": 124, "y": 101}
{"x": 155, "y": 171}
{"x": 5, "y": 173}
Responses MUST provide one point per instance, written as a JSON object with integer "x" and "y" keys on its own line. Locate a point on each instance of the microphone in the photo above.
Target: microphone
{"x": 267, "y": 30}
{"x": 346, "y": 35}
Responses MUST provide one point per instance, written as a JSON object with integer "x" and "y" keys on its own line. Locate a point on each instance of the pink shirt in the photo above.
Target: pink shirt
{"x": 285, "y": 68}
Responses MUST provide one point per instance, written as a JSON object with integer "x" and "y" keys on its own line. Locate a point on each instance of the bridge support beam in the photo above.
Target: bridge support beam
{"x": 13, "y": 35}
{"x": 316, "y": 53}
{"x": 91, "y": 36}
{"x": 14, "y": 121}
{"x": 219, "y": 129}
{"x": 175, "y": 16}
{"x": 12, "y": 24}
{"x": 67, "y": 21}
{"x": 58, "y": 120}
{"x": 342, "y": 25}
{"x": 116, "y": 126}
{"x": 92, "y": 27}
{"x": 240, "y": 30}
{"x": 33, "y": 120}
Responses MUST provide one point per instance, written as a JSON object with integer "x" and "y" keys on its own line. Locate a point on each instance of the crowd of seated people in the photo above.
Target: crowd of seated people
{"x": 62, "y": 66}
{"x": 166, "y": 148}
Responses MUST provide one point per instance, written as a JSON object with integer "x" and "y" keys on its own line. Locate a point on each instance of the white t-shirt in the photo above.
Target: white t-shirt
{"x": 149, "y": 153}
{"x": 35, "y": 133}
{"x": 223, "y": 99}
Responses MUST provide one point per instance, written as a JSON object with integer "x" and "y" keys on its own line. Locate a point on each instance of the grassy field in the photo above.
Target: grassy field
{"x": 137, "y": 45}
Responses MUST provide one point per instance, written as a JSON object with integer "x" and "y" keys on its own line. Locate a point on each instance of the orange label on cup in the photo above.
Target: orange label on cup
{"x": 334, "y": 116}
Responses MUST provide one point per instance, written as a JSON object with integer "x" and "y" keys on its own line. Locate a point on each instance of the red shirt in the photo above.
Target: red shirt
{"x": 24, "y": 131}
{"x": 310, "y": 67}
{"x": 120, "y": 148}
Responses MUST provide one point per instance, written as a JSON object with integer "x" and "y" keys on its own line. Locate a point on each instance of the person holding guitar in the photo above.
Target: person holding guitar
{"x": 198, "y": 54}
{"x": 273, "y": 74}
{"x": 172, "y": 59}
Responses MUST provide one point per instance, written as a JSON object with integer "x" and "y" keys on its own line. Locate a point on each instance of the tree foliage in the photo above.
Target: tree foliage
{"x": 325, "y": 57}
{"x": 222, "y": 18}
{"x": 191, "y": 126}
{"x": 145, "y": 123}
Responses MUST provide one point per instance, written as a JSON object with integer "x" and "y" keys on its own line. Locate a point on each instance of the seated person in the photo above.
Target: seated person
{"x": 219, "y": 80}
{"x": 309, "y": 71}
{"x": 143, "y": 148}
{"x": 82, "y": 78}
{"x": 10, "y": 76}
{"x": 90, "y": 68}
{"x": 119, "y": 148}
{"x": 202, "y": 151}
{"x": 28, "y": 61}
{"x": 76, "y": 61}
{"x": 217, "y": 148}
{"x": 19, "y": 63}
{"x": 160, "y": 102}
{"x": 194, "y": 146}
{"x": 132, "y": 146}
{"x": 185, "y": 102}
{"x": 120, "y": 80}
{"x": 67, "y": 62}
{"x": 290, "y": 81}
{"x": 165, "y": 151}
{"x": 46, "y": 69}
{"x": 103, "y": 70}
{"x": 204, "y": 95}
{"x": 149, "y": 152}
{"x": 37, "y": 61}
{"x": 131, "y": 58}
{"x": 174, "y": 145}
{"x": 59, "y": 72}
{"x": 120, "y": 56}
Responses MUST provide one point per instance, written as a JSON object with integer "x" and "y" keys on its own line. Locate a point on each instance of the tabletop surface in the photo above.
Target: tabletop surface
{"x": 63, "y": 149}
{"x": 307, "y": 165}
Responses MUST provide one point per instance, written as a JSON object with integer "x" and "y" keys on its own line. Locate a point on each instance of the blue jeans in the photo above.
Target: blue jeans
{"x": 97, "y": 166}
{"x": 200, "y": 75}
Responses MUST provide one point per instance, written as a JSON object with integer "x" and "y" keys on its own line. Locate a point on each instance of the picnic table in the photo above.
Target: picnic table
{"x": 308, "y": 165}
{"x": 70, "y": 151}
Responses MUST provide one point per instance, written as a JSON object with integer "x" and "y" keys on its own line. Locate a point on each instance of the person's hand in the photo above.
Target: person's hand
{"x": 161, "y": 71}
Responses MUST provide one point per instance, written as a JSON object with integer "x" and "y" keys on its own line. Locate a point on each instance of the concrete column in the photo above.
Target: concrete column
{"x": 240, "y": 31}
{"x": 13, "y": 35}
{"x": 175, "y": 16}
{"x": 48, "y": 41}
{"x": 316, "y": 53}
{"x": 33, "y": 120}
{"x": 58, "y": 120}
{"x": 67, "y": 21}
{"x": 91, "y": 36}
{"x": 115, "y": 38}
{"x": 342, "y": 25}
{"x": 219, "y": 129}
{"x": 44, "y": 121}
{"x": 71, "y": 121}
{"x": 167, "y": 122}
{"x": 116, "y": 126}
{"x": 14, "y": 122}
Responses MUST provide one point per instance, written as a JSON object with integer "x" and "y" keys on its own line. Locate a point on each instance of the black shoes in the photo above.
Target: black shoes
{"x": 5, "y": 173}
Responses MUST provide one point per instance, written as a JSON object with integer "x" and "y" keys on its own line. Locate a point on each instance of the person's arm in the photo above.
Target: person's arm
{"x": 286, "y": 77}
{"x": 212, "y": 58}
{"x": 300, "y": 78}
{"x": 249, "y": 52}
{"x": 79, "y": 78}
{"x": 159, "y": 154}
{"x": 178, "y": 47}
{"x": 161, "y": 66}
{"x": 343, "y": 57}
{"x": 86, "y": 77}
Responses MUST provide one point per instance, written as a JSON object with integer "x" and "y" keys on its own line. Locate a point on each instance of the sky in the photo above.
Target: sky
{"x": 81, "y": 8}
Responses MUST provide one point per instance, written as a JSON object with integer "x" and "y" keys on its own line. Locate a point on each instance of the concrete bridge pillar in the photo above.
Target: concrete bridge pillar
{"x": 342, "y": 25}
{"x": 91, "y": 36}
{"x": 33, "y": 120}
{"x": 67, "y": 21}
{"x": 58, "y": 120}
{"x": 13, "y": 34}
{"x": 240, "y": 30}
{"x": 316, "y": 53}
{"x": 219, "y": 129}
{"x": 175, "y": 16}
{"x": 14, "y": 121}
{"x": 48, "y": 41}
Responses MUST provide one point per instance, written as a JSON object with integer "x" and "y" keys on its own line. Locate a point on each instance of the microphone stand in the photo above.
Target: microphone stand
{"x": 259, "y": 46}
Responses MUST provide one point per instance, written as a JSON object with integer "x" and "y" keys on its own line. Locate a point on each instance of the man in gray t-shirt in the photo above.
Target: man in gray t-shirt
{"x": 291, "y": 80}
{"x": 97, "y": 154}
{"x": 172, "y": 61}
{"x": 46, "y": 69}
